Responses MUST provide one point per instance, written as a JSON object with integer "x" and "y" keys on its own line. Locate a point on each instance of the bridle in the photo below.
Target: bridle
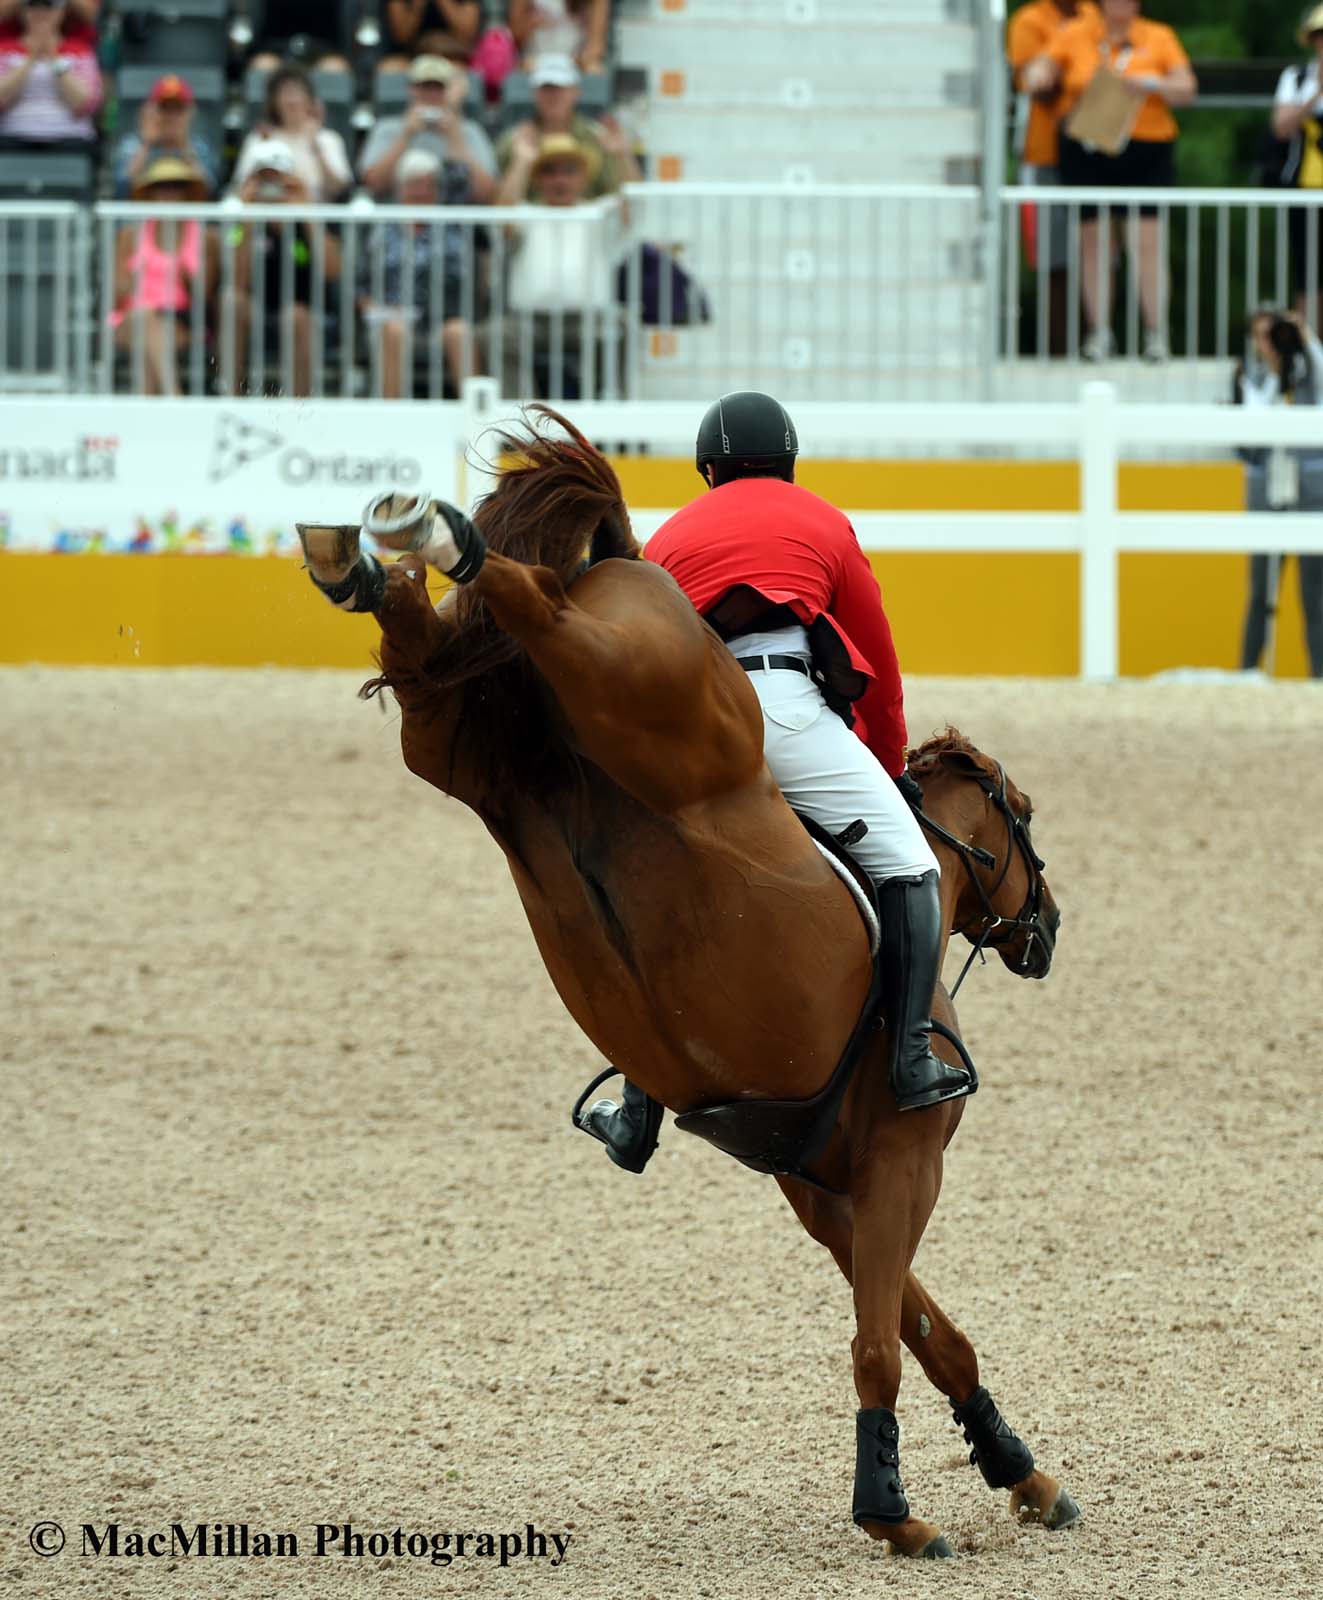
{"x": 980, "y": 930}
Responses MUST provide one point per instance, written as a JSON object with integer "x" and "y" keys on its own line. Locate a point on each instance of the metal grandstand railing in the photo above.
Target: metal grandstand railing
{"x": 44, "y": 297}
{"x": 671, "y": 291}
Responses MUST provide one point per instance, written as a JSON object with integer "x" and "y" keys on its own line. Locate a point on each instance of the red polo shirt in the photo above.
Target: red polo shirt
{"x": 795, "y": 550}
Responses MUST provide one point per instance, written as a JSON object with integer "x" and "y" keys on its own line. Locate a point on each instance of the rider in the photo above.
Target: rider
{"x": 778, "y": 573}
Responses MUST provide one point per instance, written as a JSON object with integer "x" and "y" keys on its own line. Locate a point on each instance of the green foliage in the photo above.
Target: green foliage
{"x": 1244, "y": 29}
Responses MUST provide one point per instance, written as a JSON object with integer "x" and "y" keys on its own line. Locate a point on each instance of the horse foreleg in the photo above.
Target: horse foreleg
{"x": 630, "y": 665}
{"x": 826, "y": 1218}
{"x": 951, "y": 1364}
{"x": 895, "y": 1186}
{"x": 355, "y": 581}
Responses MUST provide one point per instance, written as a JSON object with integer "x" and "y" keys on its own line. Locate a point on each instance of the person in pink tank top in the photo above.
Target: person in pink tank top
{"x": 160, "y": 266}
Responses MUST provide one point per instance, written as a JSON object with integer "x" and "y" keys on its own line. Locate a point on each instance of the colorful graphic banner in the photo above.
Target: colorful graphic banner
{"x": 114, "y": 474}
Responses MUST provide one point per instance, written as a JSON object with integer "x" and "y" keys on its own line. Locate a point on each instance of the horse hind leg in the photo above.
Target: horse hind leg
{"x": 1004, "y": 1460}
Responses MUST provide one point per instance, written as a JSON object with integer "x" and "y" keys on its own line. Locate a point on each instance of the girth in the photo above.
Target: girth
{"x": 785, "y": 1136}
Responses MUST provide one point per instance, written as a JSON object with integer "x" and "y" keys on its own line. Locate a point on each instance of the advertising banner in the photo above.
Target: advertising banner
{"x": 112, "y": 473}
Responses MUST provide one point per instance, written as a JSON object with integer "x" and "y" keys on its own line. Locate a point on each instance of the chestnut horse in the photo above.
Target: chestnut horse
{"x": 569, "y": 694}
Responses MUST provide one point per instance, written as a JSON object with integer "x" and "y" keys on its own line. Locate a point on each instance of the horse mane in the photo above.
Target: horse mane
{"x": 950, "y": 748}
{"x": 953, "y": 751}
{"x": 557, "y": 504}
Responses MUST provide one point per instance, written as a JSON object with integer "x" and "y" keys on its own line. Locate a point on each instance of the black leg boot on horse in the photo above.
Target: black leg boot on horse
{"x": 912, "y": 939}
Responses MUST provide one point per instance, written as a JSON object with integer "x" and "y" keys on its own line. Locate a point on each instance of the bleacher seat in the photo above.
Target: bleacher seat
{"x": 335, "y": 90}
{"x": 134, "y": 84}
{"x": 46, "y": 174}
{"x": 174, "y": 34}
{"x": 517, "y": 97}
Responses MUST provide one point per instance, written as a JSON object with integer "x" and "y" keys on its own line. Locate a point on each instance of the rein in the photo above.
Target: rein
{"x": 1017, "y": 837}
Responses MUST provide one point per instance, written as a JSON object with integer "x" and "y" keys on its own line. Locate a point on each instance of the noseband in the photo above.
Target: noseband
{"x": 980, "y": 929}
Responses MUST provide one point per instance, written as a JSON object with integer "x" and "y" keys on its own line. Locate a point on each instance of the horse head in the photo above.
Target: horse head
{"x": 1002, "y": 900}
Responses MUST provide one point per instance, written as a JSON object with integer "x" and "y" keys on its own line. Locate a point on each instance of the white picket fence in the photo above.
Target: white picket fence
{"x": 1096, "y": 430}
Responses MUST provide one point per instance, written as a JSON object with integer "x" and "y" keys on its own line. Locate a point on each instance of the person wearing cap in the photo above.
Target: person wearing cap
{"x": 1297, "y": 120}
{"x": 433, "y": 121}
{"x": 563, "y": 338}
{"x": 165, "y": 128}
{"x": 277, "y": 268}
{"x": 294, "y": 114}
{"x": 161, "y": 266}
{"x": 574, "y": 28}
{"x": 778, "y": 574}
{"x": 412, "y": 284}
{"x": 50, "y": 86}
{"x": 556, "y": 83}
{"x": 447, "y": 28}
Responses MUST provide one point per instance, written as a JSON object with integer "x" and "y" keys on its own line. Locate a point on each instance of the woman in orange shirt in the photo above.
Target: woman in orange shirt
{"x": 1153, "y": 65}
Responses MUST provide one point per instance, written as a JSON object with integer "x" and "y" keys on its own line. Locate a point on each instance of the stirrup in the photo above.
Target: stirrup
{"x": 634, "y": 1155}
{"x": 954, "y": 1088}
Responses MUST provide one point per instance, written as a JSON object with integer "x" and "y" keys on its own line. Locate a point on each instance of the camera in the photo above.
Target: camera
{"x": 1285, "y": 338}
{"x": 432, "y": 113}
{"x": 269, "y": 189}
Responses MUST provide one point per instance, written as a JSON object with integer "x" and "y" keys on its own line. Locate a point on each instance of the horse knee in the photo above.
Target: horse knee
{"x": 876, "y": 1369}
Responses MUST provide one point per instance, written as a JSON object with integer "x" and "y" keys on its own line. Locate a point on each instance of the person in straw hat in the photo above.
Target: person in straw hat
{"x": 162, "y": 265}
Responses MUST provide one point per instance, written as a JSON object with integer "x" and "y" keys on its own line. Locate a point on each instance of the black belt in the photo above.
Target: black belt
{"x": 774, "y": 664}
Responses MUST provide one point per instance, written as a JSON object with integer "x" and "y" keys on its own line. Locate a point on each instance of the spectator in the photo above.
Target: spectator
{"x": 1297, "y": 120}
{"x": 298, "y": 30}
{"x": 50, "y": 87}
{"x": 80, "y": 20}
{"x": 160, "y": 266}
{"x": 555, "y": 81}
{"x": 561, "y": 278}
{"x": 294, "y": 114}
{"x": 1152, "y": 62}
{"x": 1032, "y": 29}
{"x": 261, "y": 257}
{"x": 433, "y": 123}
{"x": 430, "y": 28}
{"x": 574, "y": 28}
{"x": 165, "y": 128}
{"x": 411, "y": 283}
{"x": 1285, "y": 368}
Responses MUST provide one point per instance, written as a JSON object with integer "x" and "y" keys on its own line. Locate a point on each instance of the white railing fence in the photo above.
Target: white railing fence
{"x": 677, "y": 291}
{"x": 1096, "y": 431}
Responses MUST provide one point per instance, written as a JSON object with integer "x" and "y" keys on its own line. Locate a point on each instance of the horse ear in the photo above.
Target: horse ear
{"x": 965, "y": 761}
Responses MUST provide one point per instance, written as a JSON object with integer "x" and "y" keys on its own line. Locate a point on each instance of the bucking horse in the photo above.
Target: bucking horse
{"x": 709, "y": 947}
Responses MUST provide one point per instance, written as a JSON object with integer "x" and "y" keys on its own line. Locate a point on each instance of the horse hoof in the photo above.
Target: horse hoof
{"x": 330, "y": 549}
{"x": 937, "y": 1550}
{"x": 400, "y": 521}
{"x": 1064, "y": 1511}
{"x": 1060, "y": 1514}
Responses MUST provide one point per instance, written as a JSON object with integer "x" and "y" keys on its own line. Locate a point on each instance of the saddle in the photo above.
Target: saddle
{"x": 784, "y": 1137}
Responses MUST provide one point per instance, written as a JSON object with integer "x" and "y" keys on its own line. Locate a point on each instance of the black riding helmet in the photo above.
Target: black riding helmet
{"x": 746, "y": 435}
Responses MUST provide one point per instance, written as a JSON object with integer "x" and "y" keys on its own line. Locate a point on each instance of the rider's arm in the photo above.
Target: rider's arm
{"x": 857, "y": 606}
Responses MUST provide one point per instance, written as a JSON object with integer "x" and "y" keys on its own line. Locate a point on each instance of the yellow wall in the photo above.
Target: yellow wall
{"x": 964, "y": 614}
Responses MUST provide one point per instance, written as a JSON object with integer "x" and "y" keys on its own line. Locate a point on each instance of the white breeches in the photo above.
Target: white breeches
{"x": 825, "y": 770}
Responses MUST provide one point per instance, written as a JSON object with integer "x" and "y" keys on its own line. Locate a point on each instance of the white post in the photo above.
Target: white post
{"x": 1098, "y": 466}
{"x": 481, "y": 400}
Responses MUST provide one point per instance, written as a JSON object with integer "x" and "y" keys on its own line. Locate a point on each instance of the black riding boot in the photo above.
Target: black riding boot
{"x": 912, "y": 942}
{"x": 628, "y": 1130}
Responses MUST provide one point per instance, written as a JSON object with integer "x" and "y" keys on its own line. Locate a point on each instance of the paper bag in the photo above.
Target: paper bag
{"x": 1105, "y": 114}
